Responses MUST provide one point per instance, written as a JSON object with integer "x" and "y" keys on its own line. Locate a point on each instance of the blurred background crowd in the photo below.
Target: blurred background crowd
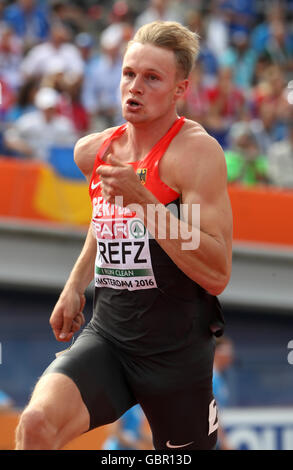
{"x": 60, "y": 65}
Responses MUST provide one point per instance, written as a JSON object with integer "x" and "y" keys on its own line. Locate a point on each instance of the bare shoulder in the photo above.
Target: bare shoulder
{"x": 196, "y": 138}
{"x": 199, "y": 155}
{"x": 86, "y": 149}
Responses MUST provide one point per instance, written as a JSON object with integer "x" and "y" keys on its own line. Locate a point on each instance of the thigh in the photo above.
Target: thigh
{"x": 184, "y": 419}
{"x": 94, "y": 366}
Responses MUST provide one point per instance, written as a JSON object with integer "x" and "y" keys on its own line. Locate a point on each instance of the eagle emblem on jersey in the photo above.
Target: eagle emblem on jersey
{"x": 142, "y": 174}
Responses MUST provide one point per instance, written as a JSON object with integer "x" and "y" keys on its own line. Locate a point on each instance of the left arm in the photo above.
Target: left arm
{"x": 203, "y": 180}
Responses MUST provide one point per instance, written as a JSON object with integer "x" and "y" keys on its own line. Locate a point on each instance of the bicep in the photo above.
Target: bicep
{"x": 211, "y": 214}
{"x": 206, "y": 186}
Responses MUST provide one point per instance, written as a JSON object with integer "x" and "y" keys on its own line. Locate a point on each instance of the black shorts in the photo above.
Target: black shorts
{"x": 110, "y": 381}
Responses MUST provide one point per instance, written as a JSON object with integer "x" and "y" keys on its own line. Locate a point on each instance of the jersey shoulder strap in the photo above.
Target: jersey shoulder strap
{"x": 161, "y": 146}
{"x": 106, "y": 144}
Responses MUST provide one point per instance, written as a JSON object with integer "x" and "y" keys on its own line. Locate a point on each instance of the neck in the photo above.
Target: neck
{"x": 142, "y": 137}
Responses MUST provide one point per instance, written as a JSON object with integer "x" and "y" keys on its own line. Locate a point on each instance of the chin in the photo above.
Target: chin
{"x": 135, "y": 118}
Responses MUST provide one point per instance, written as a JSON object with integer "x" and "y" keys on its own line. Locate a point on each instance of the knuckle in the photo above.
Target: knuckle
{"x": 67, "y": 316}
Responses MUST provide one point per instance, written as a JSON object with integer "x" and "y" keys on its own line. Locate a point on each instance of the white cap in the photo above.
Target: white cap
{"x": 112, "y": 36}
{"x": 55, "y": 65}
{"x": 46, "y": 98}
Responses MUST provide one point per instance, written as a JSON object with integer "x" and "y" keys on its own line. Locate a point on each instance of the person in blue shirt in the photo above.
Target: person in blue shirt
{"x": 29, "y": 21}
{"x": 224, "y": 357}
{"x": 241, "y": 14}
{"x": 242, "y": 58}
{"x": 100, "y": 91}
{"x": 130, "y": 432}
{"x": 6, "y": 402}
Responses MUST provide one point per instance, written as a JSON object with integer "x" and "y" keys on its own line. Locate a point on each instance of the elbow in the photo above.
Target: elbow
{"x": 218, "y": 282}
{"x": 217, "y": 290}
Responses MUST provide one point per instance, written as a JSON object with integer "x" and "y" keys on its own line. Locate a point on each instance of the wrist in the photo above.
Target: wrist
{"x": 72, "y": 287}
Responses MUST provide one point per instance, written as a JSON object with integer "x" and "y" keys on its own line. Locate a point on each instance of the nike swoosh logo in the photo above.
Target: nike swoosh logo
{"x": 168, "y": 444}
{"x": 94, "y": 186}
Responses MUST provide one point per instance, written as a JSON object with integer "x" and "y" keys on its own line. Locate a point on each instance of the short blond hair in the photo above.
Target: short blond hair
{"x": 173, "y": 36}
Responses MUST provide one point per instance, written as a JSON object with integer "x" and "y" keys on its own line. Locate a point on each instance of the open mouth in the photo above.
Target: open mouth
{"x": 133, "y": 103}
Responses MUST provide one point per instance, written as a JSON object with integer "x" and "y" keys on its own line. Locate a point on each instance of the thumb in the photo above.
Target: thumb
{"x": 66, "y": 331}
{"x": 114, "y": 161}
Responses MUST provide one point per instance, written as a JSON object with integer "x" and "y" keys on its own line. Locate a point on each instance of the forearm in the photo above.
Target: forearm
{"x": 83, "y": 270}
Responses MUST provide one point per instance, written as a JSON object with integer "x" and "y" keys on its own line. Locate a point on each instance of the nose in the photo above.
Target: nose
{"x": 136, "y": 87}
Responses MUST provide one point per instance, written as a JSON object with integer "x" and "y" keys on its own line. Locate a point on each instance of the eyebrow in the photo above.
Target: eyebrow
{"x": 149, "y": 70}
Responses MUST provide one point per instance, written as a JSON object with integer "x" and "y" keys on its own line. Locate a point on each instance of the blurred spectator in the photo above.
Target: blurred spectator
{"x": 263, "y": 61}
{"x": 159, "y": 10}
{"x": 224, "y": 357}
{"x": 71, "y": 106}
{"x": 55, "y": 76}
{"x": 279, "y": 46}
{"x": 69, "y": 14}
{"x": 217, "y": 30}
{"x": 269, "y": 127}
{"x": 119, "y": 12}
{"x": 206, "y": 58}
{"x": 226, "y": 105}
{"x": 241, "y": 15}
{"x": 11, "y": 55}
{"x": 29, "y": 21}
{"x": 33, "y": 134}
{"x": 271, "y": 87}
{"x": 280, "y": 161}
{"x": 2, "y": 9}
{"x": 261, "y": 33}
{"x": 25, "y": 99}
{"x": 245, "y": 163}
{"x": 85, "y": 43}
{"x": 195, "y": 104}
{"x": 58, "y": 48}
{"x": 242, "y": 58}
{"x": 69, "y": 91}
{"x": 100, "y": 93}
{"x": 130, "y": 432}
{"x": 123, "y": 15}
{"x": 6, "y": 403}
{"x": 7, "y": 99}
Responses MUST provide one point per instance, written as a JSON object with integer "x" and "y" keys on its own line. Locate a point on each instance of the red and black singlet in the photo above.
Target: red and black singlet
{"x": 143, "y": 302}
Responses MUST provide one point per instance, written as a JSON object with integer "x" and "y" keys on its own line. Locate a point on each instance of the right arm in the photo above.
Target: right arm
{"x": 67, "y": 316}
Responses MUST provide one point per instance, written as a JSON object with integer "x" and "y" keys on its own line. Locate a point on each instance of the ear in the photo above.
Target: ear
{"x": 181, "y": 88}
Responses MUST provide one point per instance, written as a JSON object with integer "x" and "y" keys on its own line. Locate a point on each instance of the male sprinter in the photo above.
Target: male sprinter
{"x": 155, "y": 313}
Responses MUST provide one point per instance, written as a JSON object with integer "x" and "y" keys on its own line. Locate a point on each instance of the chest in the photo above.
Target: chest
{"x": 161, "y": 168}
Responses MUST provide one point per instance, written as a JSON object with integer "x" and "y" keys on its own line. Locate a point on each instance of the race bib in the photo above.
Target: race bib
{"x": 123, "y": 258}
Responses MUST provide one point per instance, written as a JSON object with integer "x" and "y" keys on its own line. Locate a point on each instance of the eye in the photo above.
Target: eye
{"x": 153, "y": 77}
{"x": 128, "y": 73}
